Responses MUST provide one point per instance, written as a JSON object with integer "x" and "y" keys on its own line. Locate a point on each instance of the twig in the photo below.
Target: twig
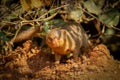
{"x": 45, "y": 19}
{"x": 98, "y": 19}
{"x": 36, "y": 20}
{"x": 116, "y": 3}
{"x": 24, "y": 21}
{"x": 51, "y": 11}
{"x": 52, "y": 16}
{"x": 19, "y": 25}
{"x": 115, "y": 35}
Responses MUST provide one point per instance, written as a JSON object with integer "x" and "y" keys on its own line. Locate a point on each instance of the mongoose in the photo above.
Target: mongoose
{"x": 70, "y": 38}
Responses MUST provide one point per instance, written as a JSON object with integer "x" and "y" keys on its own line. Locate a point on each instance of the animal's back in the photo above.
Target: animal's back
{"x": 70, "y": 38}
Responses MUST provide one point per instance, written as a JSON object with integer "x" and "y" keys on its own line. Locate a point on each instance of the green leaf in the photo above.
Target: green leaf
{"x": 111, "y": 17}
{"x": 5, "y": 38}
{"x": 46, "y": 29}
{"x": 92, "y": 7}
{"x": 47, "y": 22}
{"x": 58, "y": 22}
{"x": 76, "y": 14}
{"x": 110, "y": 31}
{"x": 1, "y": 34}
{"x": 46, "y": 26}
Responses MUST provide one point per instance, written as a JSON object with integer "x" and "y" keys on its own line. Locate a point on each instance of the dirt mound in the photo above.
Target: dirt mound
{"x": 29, "y": 62}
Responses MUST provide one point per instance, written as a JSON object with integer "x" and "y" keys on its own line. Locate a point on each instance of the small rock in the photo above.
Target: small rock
{"x": 75, "y": 65}
{"x": 92, "y": 68}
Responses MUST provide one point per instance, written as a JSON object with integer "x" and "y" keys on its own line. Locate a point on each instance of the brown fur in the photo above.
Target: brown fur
{"x": 70, "y": 38}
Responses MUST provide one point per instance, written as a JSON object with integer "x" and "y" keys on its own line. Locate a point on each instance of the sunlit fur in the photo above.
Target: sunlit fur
{"x": 70, "y": 38}
{"x": 60, "y": 41}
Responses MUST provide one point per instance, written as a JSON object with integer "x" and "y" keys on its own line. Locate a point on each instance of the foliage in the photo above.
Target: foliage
{"x": 110, "y": 17}
{"x": 92, "y": 7}
{"x": 48, "y": 14}
{"x": 3, "y": 37}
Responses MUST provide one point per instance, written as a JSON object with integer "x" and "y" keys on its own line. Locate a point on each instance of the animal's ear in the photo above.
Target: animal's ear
{"x": 64, "y": 32}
